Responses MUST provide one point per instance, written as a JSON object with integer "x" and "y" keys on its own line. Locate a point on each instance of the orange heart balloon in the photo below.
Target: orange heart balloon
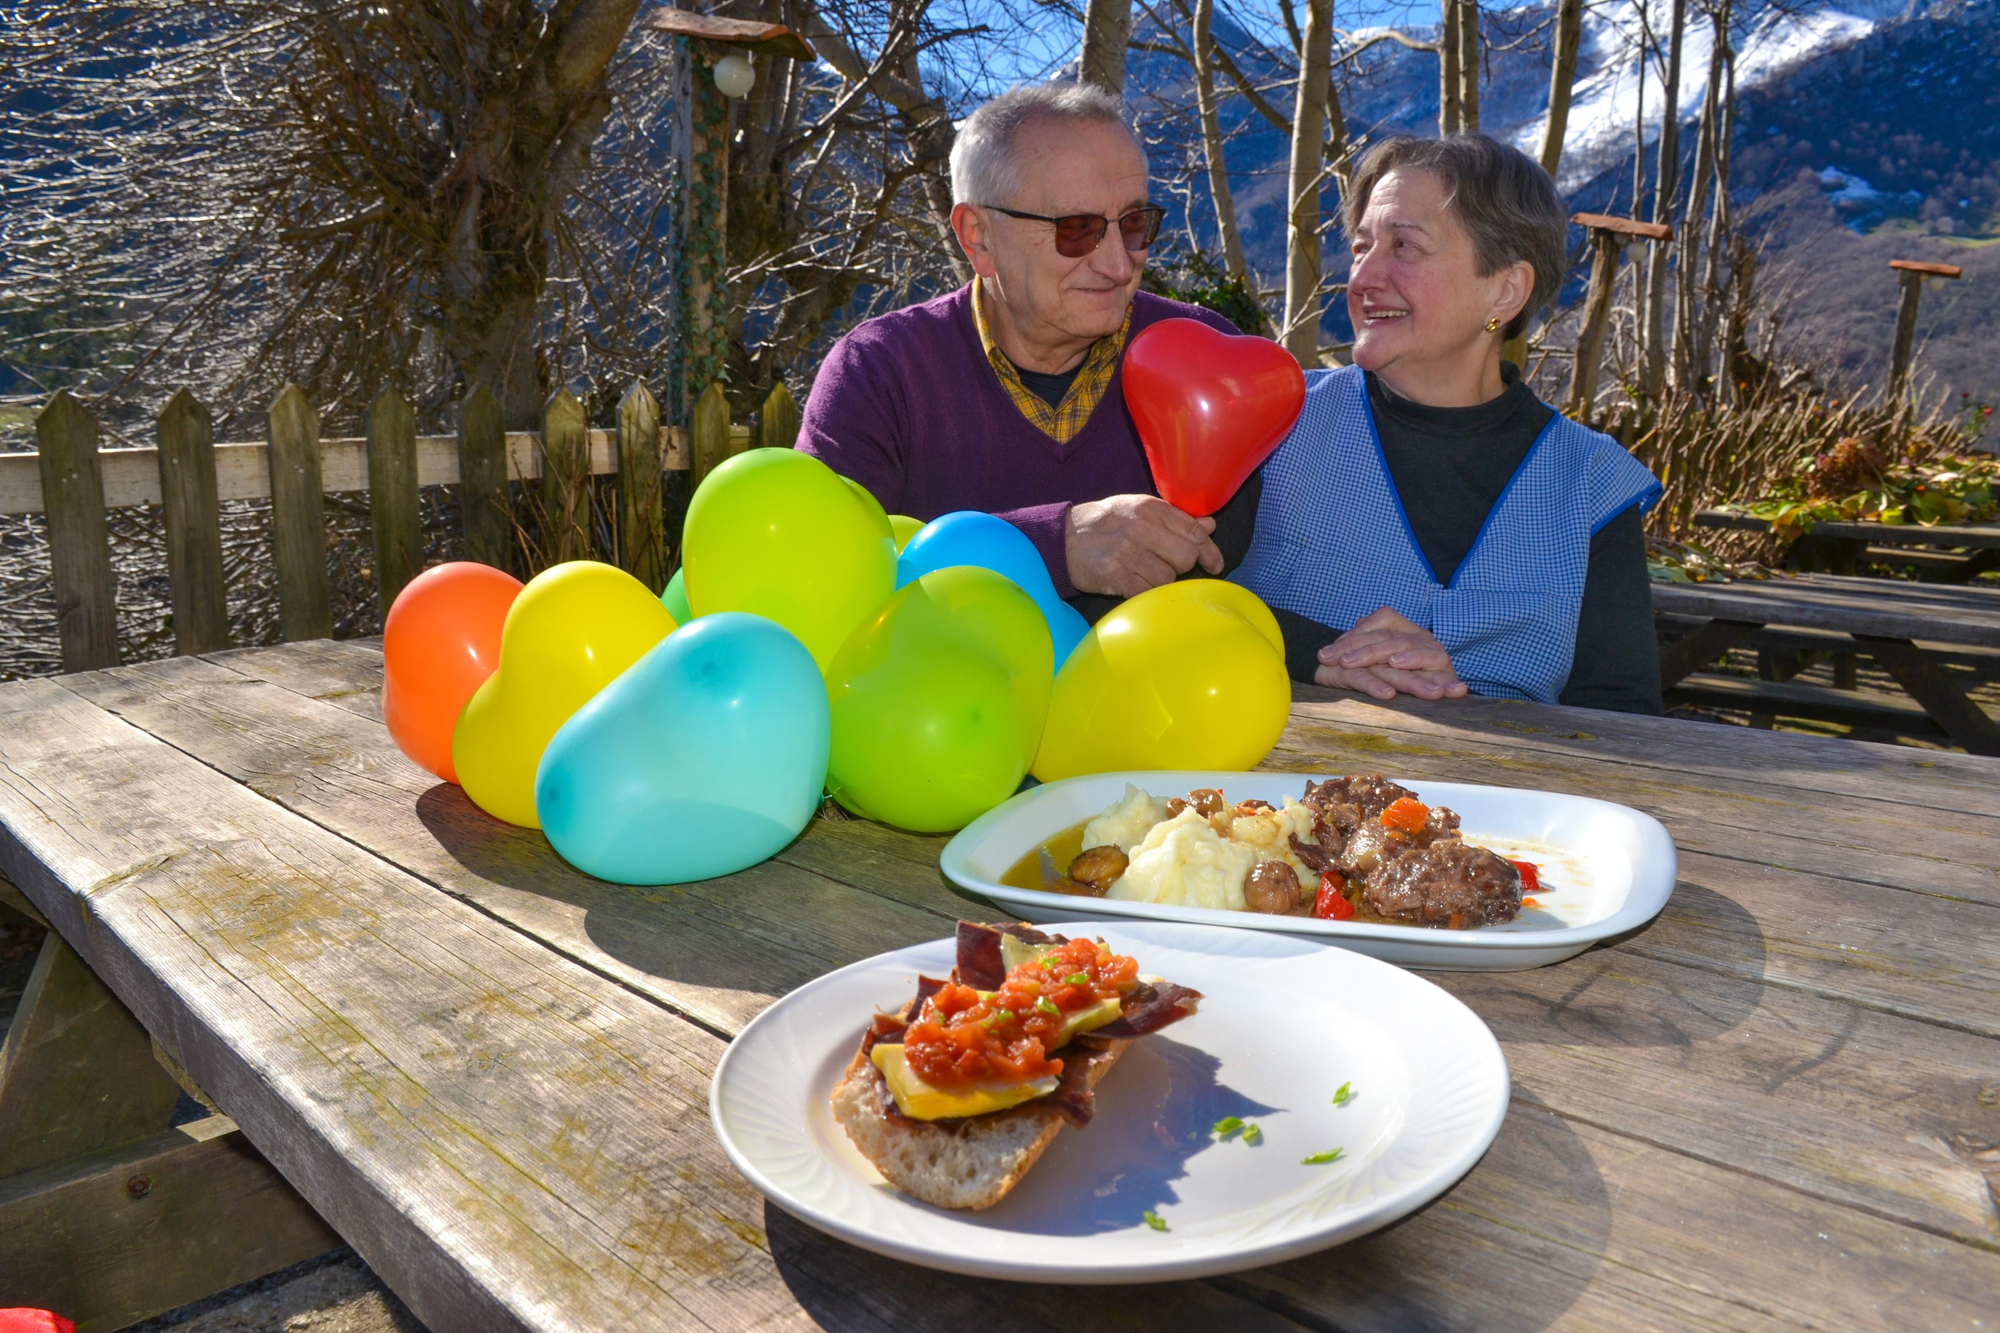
{"x": 440, "y": 643}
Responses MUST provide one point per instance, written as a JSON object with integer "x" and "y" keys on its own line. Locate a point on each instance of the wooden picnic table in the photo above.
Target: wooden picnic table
{"x": 1778, "y": 1106}
{"x": 1838, "y": 547}
{"x": 1881, "y": 618}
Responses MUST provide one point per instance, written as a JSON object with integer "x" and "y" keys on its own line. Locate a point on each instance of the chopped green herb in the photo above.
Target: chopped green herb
{"x": 1252, "y": 1135}
{"x": 1154, "y": 1220}
{"x": 1046, "y": 1006}
{"x": 1345, "y": 1095}
{"x": 1077, "y": 979}
{"x": 1322, "y": 1158}
{"x": 1228, "y": 1125}
{"x": 996, "y": 1017}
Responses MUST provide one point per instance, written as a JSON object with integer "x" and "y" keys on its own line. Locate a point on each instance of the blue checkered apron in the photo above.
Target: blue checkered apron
{"x": 1334, "y": 544}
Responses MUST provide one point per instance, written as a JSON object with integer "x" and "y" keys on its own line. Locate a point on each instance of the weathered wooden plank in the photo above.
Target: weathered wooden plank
{"x": 709, "y": 432}
{"x": 1895, "y": 613}
{"x": 484, "y": 509}
{"x": 1965, "y": 721}
{"x": 298, "y": 517}
{"x": 778, "y": 422}
{"x": 1844, "y": 1103}
{"x": 242, "y": 468}
{"x": 392, "y": 495}
{"x": 566, "y": 513}
{"x": 193, "y": 518}
{"x": 642, "y": 534}
{"x": 346, "y": 673}
{"x": 1695, "y": 650}
{"x": 1602, "y": 1231}
{"x": 79, "y": 537}
{"x": 718, "y": 951}
{"x": 510, "y": 1140}
{"x": 1709, "y": 752}
{"x": 128, "y": 1235}
{"x": 77, "y": 1074}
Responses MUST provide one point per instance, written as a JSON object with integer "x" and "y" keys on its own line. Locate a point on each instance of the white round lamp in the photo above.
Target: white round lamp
{"x": 735, "y": 76}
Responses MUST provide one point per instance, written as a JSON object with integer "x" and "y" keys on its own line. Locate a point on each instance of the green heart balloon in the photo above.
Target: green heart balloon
{"x": 779, "y": 534}
{"x": 938, "y": 701}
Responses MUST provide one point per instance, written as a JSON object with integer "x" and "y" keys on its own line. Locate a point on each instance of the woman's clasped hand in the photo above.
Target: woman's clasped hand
{"x": 1386, "y": 654}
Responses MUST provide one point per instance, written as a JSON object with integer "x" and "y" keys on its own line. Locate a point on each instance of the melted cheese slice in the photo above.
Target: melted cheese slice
{"x": 921, "y": 1101}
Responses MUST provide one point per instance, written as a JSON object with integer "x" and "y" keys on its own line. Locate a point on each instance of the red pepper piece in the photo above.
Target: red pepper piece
{"x": 1531, "y": 879}
{"x": 1332, "y": 904}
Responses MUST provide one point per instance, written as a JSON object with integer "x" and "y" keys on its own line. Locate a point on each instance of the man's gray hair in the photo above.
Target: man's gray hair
{"x": 982, "y": 157}
{"x": 1498, "y": 193}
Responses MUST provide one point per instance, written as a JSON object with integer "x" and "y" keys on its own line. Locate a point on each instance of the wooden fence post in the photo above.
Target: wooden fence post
{"x": 79, "y": 536}
{"x": 566, "y": 517}
{"x": 485, "y": 513}
{"x": 298, "y": 517}
{"x": 710, "y": 431}
{"x": 1912, "y": 273}
{"x": 392, "y": 495}
{"x": 641, "y": 533}
{"x": 780, "y": 420}
{"x": 193, "y": 517}
{"x": 1608, "y": 235}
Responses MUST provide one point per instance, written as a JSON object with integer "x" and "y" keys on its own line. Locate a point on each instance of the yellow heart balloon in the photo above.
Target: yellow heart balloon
{"x": 779, "y": 534}
{"x": 1187, "y": 675}
{"x": 572, "y": 631}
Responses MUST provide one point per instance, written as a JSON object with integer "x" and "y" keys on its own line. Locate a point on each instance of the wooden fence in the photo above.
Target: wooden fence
{"x": 72, "y": 482}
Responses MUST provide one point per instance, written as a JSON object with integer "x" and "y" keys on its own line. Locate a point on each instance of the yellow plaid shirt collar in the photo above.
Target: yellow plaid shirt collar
{"x": 1062, "y": 422}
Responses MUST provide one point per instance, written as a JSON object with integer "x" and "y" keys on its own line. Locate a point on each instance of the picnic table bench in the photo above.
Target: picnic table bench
{"x": 1940, "y": 553}
{"x": 1778, "y": 1106}
{"x": 1880, "y": 618}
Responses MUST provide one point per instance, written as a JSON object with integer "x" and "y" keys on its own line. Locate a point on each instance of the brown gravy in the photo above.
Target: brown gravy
{"x": 1031, "y": 872}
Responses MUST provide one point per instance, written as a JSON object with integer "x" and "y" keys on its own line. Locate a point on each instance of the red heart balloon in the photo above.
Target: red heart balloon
{"x": 1209, "y": 408}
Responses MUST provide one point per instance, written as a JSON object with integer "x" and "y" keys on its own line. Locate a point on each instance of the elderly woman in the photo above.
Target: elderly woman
{"x": 1429, "y": 526}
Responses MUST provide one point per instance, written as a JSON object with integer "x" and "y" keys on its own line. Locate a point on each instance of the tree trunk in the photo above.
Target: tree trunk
{"x": 1562, "y": 81}
{"x": 530, "y": 139}
{"x": 1468, "y": 65}
{"x": 1666, "y": 187}
{"x": 1686, "y": 368}
{"x": 1107, "y": 27}
{"x": 1303, "y": 268}
{"x": 1211, "y": 143}
{"x": 1449, "y": 111}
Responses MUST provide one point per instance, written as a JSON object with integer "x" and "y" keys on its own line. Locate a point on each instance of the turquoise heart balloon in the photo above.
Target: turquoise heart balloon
{"x": 707, "y": 756}
{"x": 968, "y": 537}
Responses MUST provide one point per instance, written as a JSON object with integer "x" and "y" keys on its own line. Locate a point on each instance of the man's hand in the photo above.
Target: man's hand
{"x": 1125, "y": 544}
{"x": 1385, "y": 655}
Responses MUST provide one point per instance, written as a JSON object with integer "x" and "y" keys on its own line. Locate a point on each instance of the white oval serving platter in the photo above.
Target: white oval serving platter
{"x": 1606, "y": 869}
{"x": 1283, "y": 1024}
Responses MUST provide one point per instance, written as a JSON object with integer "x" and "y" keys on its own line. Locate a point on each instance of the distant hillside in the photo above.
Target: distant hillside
{"x": 1868, "y": 130}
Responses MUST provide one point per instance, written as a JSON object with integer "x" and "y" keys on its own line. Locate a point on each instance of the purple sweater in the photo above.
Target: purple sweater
{"x": 907, "y": 405}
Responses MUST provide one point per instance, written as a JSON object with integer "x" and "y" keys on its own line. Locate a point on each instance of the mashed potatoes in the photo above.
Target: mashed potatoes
{"x": 1193, "y": 861}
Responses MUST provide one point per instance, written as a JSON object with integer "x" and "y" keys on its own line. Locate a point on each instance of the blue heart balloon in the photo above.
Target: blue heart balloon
{"x": 707, "y": 756}
{"x": 969, "y": 537}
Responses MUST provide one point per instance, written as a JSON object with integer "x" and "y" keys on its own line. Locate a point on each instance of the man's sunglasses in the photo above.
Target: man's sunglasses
{"x": 1080, "y": 233}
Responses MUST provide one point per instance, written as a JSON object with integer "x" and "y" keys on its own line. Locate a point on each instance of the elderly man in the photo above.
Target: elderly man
{"x": 1005, "y": 395}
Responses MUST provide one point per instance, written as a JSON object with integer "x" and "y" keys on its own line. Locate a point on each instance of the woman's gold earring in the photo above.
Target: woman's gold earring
{"x": 1493, "y": 324}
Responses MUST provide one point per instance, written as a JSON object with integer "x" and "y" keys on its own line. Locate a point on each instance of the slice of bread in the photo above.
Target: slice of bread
{"x": 969, "y": 1163}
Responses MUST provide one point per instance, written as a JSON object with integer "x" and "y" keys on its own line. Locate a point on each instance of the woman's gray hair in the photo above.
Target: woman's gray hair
{"x": 1500, "y": 195}
{"x": 982, "y": 157}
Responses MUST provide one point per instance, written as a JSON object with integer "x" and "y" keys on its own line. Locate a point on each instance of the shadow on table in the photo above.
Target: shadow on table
{"x": 638, "y": 927}
{"x": 1455, "y": 1264}
{"x": 1605, "y": 997}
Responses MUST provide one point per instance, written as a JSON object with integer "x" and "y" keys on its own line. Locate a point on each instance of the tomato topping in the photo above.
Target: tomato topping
{"x": 964, "y": 1036}
{"x": 1406, "y": 815}
{"x": 1332, "y": 904}
{"x": 1531, "y": 879}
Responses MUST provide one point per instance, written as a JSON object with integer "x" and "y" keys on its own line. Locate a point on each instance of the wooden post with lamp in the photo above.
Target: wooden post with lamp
{"x": 1912, "y": 273}
{"x": 727, "y": 49}
{"x": 1608, "y": 238}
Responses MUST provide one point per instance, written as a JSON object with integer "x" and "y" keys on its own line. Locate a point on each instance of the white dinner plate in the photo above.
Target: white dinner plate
{"x": 1605, "y": 869}
{"x": 1283, "y": 1024}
